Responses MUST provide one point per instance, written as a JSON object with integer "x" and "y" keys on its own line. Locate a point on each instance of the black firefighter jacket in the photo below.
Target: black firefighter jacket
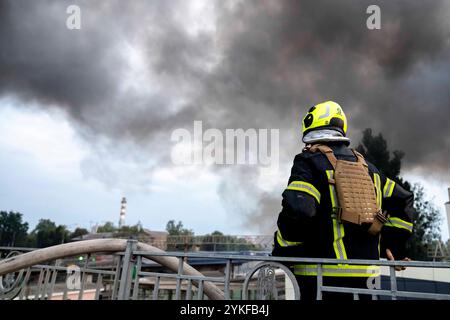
{"x": 307, "y": 225}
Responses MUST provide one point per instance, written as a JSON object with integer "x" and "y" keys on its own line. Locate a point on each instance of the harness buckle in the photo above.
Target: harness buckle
{"x": 381, "y": 217}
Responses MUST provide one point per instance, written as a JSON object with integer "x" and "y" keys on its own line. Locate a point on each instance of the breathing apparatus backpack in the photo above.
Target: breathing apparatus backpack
{"x": 356, "y": 194}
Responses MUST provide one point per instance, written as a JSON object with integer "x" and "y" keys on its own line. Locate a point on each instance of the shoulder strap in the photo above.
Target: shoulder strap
{"x": 360, "y": 158}
{"x": 327, "y": 151}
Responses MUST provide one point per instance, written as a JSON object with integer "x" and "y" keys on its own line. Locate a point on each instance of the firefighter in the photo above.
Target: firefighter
{"x": 339, "y": 206}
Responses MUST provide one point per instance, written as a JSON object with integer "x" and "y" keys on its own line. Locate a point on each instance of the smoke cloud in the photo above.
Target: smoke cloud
{"x": 136, "y": 72}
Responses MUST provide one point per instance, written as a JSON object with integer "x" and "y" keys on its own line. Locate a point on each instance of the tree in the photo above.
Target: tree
{"x": 129, "y": 231}
{"x": 48, "y": 234}
{"x": 217, "y": 241}
{"x": 427, "y": 222}
{"x": 61, "y": 235}
{"x": 375, "y": 150}
{"x": 107, "y": 227}
{"x": 78, "y": 232}
{"x": 179, "y": 238}
{"x": 44, "y": 233}
{"x": 426, "y": 231}
{"x": 213, "y": 242}
{"x": 13, "y": 232}
{"x": 177, "y": 229}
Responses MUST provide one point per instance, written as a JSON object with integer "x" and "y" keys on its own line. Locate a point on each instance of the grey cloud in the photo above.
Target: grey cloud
{"x": 263, "y": 66}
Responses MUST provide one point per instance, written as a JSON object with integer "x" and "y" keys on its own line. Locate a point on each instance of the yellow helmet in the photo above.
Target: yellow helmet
{"x": 325, "y": 115}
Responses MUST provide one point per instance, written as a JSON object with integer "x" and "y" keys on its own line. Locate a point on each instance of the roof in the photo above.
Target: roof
{"x": 92, "y": 236}
{"x": 156, "y": 233}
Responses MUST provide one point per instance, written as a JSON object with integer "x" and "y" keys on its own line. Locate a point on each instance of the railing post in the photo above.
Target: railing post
{"x": 227, "y": 280}
{"x": 200, "y": 290}
{"x": 53, "y": 281}
{"x": 393, "y": 282}
{"x": 156, "y": 288}
{"x": 136, "y": 279}
{"x": 46, "y": 282}
{"x": 23, "y": 291}
{"x": 319, "y": 282}
{"x": 116, "y": 278}
{"x": 125, "y": 277}
{"x": 189, "y": 290}
{"x": 98, "y": 286}
{"x": 83, "y": 277}
{"x": 179, "y": 280}
{"x": 38, "y": 287}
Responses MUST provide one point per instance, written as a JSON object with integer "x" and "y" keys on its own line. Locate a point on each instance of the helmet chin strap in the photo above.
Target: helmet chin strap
{"x": 324, "y": 135}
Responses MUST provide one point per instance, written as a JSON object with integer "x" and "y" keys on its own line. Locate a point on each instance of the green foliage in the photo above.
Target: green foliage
{"x": 78, "y": 232}
{"x": 129, "y": 231}
{"x": 177, "y": 229}
{"x": 375, "y": 150}
{"x": 48, "y": 234}
{"x": 427, "y": 223}
{"x": 123, "y": 232}
{"x": 426, "y": 231}
{"x": 181, "y": 239}
{"x": 107, "y": 227}
{"x": 217, "y": 241}
{"x": 13, "y": 232}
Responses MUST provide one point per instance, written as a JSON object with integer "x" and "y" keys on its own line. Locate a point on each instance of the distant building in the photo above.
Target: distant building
{"x": 155, "y": 238}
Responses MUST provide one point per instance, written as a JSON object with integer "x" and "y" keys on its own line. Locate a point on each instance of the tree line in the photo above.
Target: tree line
{"x": 182, "y": 239}
{"x": 14, "y": 232}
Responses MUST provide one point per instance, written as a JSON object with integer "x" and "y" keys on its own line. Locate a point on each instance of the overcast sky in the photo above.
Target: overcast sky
{"x": 86, "y": 116}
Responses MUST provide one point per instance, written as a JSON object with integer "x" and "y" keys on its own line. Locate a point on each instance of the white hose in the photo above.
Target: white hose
{"x": 40, "y": 256}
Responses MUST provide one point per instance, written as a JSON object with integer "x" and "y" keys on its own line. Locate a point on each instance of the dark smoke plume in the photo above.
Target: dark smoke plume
{"x": 262, "y": 64}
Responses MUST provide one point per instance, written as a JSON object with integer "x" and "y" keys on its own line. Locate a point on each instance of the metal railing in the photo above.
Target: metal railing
{"x": 133, "y": 275}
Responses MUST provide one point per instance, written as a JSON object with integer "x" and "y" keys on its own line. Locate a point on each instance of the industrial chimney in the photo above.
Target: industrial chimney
{"x": 123, "y": 211}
